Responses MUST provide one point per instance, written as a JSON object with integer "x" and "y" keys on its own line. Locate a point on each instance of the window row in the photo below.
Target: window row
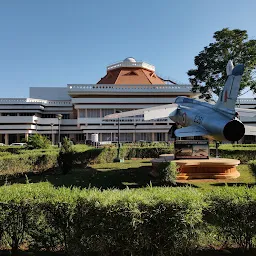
{"x": 100, "y": 113}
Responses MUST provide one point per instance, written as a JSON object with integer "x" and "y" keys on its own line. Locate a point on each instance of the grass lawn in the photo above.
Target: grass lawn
{"x": 131, "y": 173}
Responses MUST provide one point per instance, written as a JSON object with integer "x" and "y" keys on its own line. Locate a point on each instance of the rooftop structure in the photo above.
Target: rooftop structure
{"x": 129, "y": 71}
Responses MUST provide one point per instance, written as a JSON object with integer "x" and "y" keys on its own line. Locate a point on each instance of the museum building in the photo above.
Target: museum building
{"x": 77, "y": 110}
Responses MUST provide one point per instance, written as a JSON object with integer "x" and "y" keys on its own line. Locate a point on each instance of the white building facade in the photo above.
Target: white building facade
{"x": 128, "y": 85}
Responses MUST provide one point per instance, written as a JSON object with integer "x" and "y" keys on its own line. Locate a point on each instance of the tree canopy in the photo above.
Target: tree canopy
{"x": 210, "y": 74}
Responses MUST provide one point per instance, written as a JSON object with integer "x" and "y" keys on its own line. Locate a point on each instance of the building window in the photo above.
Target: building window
{"x": 49, "y": 116}
{"x": 249, "y": 139}
{"x": 82, "y": 113}
{"x": 106, "y": 112}
{"x": 159, "y": 136}
{"x": 9, "y": 114}
{"x": 107, "y": 136}
{"x": 93, "y": 113}
{"x": 126, "y": 137}
{"x": 65, "y": 116}
{"x": 80, "y": 138}
{"x": 143, "y": 136}
{"x": 26, "y": 114}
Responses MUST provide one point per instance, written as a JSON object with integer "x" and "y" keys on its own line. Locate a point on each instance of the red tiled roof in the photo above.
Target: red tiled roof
{"x": 131, "y": 76}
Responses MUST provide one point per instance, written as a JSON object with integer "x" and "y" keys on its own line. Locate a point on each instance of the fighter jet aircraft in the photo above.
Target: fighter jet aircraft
{"x": 218, "y": 122}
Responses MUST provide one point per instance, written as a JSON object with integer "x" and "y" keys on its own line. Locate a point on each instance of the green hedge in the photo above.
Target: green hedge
{"x": 107, "y": 154}
{"x": 149, "y": 221}
{"x": 23, "y": 163}
{"x": 252, "y": 165}
{"x": 16, "y": 160}
{"x": 242, "y": 154}
{"x": 233, "y": 212}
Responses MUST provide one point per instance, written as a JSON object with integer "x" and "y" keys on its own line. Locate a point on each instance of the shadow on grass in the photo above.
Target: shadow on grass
{"x": 102, "y": 179}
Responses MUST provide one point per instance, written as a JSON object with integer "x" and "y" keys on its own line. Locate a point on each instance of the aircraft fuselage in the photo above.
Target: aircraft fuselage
{"x": 219, "y": 124}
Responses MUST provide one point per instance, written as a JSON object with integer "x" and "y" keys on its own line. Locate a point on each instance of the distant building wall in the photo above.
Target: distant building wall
{"x": 49, "y": 93}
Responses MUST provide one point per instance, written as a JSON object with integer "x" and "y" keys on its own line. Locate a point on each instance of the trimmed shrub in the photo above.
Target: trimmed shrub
{"x": 107, "y": 154}
{"x": 65, "y": 158}
{"x": 168, "y": 172}
{"x": 252, "y": 165}
{"x": 23, "y": 163}
{"x": 85, "y": 157}
{"x": 151, "y": 221}
{"x": 148, "y": 221}
{"x": 12, "y": 149}
{"x": 147, "y": 152}
{"x": 233, "y": 212}
{"x": 243, "y": 154}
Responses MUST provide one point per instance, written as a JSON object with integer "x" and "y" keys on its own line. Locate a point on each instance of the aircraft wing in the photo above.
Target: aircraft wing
{"x": 149, "y": 113}
{"x": 246, "y": 112}
{"x": 191, "y": 131}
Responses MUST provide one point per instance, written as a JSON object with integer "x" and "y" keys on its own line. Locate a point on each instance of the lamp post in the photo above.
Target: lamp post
{"x": 52, "y": 124}
{"x": 59, "y": 116}
{"x": 118, "y": 159}
{"x": 135, "y": 126}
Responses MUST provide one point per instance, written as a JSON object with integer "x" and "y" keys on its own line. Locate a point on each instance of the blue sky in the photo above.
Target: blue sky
{"x": 56, "y": 42}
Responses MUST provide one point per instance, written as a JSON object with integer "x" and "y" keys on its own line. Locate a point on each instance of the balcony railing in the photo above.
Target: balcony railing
{"x": 84, "y": 120}
{"x": 79, "y": 88}
{"x": 35, "y": 101}
{"x": 125, "y": 64}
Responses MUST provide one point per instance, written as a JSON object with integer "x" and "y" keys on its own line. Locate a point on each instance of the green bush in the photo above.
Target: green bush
{"x": 11, "y": 165}
{"x": 252, "y": 166}
{"x": 146, "y": 221}
{"x": 12, "y": 149}
{"x": 66, "y": 158}
{"x": 153, "y": 221}
{"x": 233, "y": 212}
{"x": 242, "y": 154}
{"x": 37, "y": 141}
{"x": 167, "y": 172}
{"x": 84, "y": 157}
{"x": 107, "y": 154}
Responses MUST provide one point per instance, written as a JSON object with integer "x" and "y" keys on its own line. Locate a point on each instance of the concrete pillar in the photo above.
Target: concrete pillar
{"x": 153, "y": 136}
{"x": 100, "y": 139}
{"x": 6, "y": 139}
{"x": 26, "y": 136}
{"x": 133, "y": 137}
{"x": 166, "y": 136}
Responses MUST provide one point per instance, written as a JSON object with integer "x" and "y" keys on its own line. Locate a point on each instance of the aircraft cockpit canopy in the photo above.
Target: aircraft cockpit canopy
{"x": 182, "y": 99}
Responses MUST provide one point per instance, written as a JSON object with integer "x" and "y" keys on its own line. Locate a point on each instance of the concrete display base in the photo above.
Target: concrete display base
{"x": 213, "y": 168}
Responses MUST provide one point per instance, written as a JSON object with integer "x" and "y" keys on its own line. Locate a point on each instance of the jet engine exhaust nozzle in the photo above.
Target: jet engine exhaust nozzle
{"x": 234, "y": 130}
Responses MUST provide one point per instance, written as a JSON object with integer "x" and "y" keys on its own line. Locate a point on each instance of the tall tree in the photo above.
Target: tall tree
{"x": 210, "y": 75}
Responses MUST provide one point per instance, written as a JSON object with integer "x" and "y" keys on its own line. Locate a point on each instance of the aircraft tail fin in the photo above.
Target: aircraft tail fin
{"x": 228, "y": 96}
